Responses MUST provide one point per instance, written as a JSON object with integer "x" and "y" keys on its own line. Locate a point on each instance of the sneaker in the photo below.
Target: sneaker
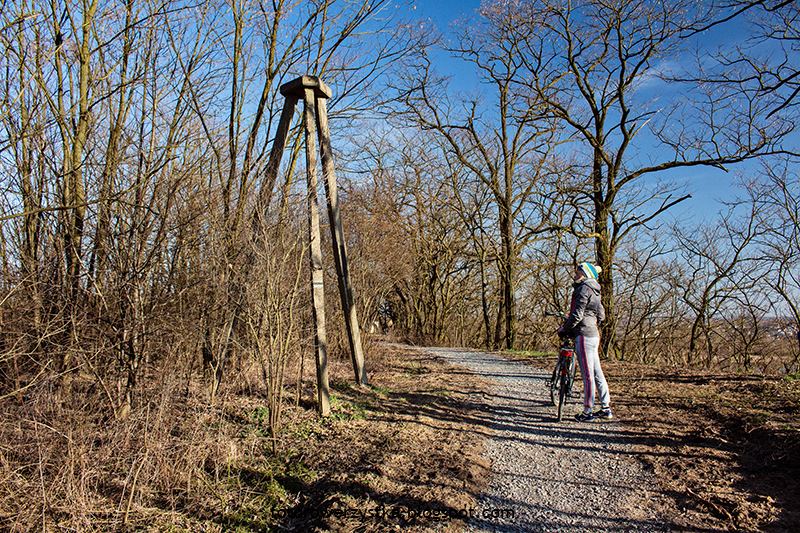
{"x": 605, "y": 414}
{"x": 584, "y": 417}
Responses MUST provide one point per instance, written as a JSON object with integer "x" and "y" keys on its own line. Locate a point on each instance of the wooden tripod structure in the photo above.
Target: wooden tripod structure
{"x": 315, "y": 95}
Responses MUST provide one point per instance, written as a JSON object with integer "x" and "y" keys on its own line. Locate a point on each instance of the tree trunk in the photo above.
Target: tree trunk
{"x": 487, "y": 322}
{"x": 605, "y": 257}
{"x": 508, "y": 273}
{"x": 75, "y": 197}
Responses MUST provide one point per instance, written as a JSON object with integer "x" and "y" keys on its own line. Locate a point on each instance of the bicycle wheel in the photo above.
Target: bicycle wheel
{"x": 563, "y": 383}
{"x": 572, "y": 371}
{"x": 554, "y": 383}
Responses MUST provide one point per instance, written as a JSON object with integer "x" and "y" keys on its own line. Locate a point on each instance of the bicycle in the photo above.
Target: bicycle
{"x": 560, "y": 385}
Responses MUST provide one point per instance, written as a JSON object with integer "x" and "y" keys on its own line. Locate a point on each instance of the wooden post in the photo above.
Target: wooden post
{"x": 339, "y": 245}
{"x": 317, "y": 283}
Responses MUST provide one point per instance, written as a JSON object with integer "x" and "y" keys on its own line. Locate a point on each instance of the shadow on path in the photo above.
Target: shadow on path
{"x": 549, "y": 475}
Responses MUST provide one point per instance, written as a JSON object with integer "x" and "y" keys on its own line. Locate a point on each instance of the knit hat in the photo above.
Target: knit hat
{"x": 590, "y": 271}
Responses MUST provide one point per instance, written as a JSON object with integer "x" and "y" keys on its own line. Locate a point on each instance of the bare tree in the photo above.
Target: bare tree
{"x": 376, "y": 197}
{"x": 712, "y": 257}
{"x": 502, "y": 141}
{"x": 589, "y": 63}
{"x": 473, "y": 205}
{"x": 645, "y": 295}
{"x": 414, "y": 247}
{"x": 777, "y": 201}
{"x": 23, "y": 120}
{"x": 272, "y": 316}
{"x": 770, "y": 24}
{"x": 69, "y": 60}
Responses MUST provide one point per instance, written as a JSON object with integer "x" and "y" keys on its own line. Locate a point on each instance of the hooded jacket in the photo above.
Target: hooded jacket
{"x": 586, "y": 309}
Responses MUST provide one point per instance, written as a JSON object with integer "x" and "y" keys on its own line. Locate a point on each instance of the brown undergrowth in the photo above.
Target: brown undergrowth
{"x": 724, "y": 447}
{"x": 402, "y": 453}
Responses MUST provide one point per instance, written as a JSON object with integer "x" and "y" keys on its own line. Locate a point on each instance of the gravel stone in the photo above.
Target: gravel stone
{"x": 549, "y": 475}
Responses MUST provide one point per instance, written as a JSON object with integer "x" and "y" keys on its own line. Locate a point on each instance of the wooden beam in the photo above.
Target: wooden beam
{"x": 339, "y": 244}
{"x": 317, "y": 284}
{"x": 274, "y": 163}
{"x": 297, "y": 87}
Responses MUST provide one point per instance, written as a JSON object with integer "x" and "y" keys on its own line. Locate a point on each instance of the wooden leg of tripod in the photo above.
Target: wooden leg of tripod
{"x": 339, "y": 246}
{"x": 317, "y": 286}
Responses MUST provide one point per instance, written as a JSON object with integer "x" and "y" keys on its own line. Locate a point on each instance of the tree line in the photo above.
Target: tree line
{"x": 136, "y": 138}
{"x": 586, "y": 113}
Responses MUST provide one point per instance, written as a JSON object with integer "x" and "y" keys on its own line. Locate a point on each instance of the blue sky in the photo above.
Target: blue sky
{"x": 444, "y": 11}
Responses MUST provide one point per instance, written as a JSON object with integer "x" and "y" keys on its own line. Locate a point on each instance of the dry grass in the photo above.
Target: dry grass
{"x": 177, "y": 463}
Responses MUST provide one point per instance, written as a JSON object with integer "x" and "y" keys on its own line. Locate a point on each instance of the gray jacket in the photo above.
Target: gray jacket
{"x": 586, "y": 310}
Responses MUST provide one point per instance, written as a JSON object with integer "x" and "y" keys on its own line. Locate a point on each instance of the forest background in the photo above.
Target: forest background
{"x": 133, "y": 154}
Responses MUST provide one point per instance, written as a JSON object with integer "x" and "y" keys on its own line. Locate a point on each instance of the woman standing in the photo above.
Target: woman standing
{"x": 586, "y": 310}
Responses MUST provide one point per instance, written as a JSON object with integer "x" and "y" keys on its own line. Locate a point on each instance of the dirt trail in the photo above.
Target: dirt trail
{"x": 549, "y": 475}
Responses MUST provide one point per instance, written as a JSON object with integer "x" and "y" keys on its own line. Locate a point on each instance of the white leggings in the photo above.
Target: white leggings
{"x": 587, "y": 349}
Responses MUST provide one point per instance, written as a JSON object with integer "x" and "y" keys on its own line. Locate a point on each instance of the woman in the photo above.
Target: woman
{"x": 586, "y": 310}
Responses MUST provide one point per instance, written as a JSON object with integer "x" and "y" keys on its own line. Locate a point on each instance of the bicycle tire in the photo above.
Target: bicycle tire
{"x": 572, "y": 372}
{"x": 554, "y": 384}
{"x": 563, "y": 382}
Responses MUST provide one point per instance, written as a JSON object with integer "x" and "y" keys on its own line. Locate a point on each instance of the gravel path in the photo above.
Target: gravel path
{"x": 553, "y": 476}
